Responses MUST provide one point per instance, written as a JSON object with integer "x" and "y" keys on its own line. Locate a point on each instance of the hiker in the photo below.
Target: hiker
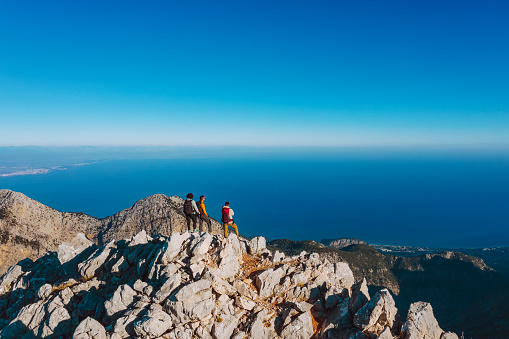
{"x": 227, "y": 219}
{"x": 191, "y": 211}
{"x": 203, "y": 215}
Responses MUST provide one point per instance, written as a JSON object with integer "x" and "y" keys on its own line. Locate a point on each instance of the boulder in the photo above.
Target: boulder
{"x": 421, "y": 323}
{"x": 360, "y": 296}
{"x": 267, "y": 280}
{"x": 168, "y": 287}
{"x": 154, "y": 324}
{"x": 95, "y": 262}
{"x": 337, "y": 319}
{"x": 120, "y": 301}
{"x": 300, "y": 328}
{"x": 139, "y": 239}
{"x": 90, "y": 329}
{"x": 68, "y": 250}
{"x": 257, "y": 245}
{"x": 378, "y": 313}
{"x": 172, "y": 247}
{"x": 10, "y": 276}
{"x": 344, "y": 275}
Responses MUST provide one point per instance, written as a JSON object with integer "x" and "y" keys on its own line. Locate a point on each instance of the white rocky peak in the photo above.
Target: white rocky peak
{"x": 196, "y": 285}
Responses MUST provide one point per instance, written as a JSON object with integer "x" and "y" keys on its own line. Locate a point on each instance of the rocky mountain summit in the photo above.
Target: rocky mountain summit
{"x": 197, "y": 285}
{"x": 30, "y": 229}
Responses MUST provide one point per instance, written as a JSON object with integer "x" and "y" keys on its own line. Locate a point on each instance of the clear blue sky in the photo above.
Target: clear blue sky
{"x": 254, "y": 73}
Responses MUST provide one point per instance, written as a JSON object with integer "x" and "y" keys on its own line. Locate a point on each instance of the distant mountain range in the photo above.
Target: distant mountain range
{"x": 467, "y": 294}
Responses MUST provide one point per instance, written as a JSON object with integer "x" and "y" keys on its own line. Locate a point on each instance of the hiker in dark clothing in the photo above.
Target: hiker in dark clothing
{"x": 204, "y": 216}
{"x": 191, "y": 211}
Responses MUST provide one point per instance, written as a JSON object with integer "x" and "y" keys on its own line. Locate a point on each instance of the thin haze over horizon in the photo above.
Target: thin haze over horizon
{"x": 289, "y": 73}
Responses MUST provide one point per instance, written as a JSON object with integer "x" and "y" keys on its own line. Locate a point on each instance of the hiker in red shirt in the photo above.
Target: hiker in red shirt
{"x": 227, "y": 219}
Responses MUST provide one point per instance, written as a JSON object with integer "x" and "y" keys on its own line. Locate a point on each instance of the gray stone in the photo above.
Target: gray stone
{"x": 224, "y": 326}
{"x": 186, "y": 292}
{"x": 154, "y": 324}
{"x": 95, "y": 262}
{"x": 300, "y": 328}
{"x": 267, "y": 280}
{"x": 90, "y": 329}
{"x": 203, "y": 245}
{"x": 360, "y": 296}
{"x": 120, "y": 301}
{"x": 139, "y": 285}
{"x": 139, "y": 239}
{"x": 223, "y": 287}
{"x": 168, "y": 287}
{"x": 56, "y": 324}
{"x": 172, "y": 247}
{"x": 344, "y": 274}
{"x": 378, "y": 313}
{"x": 124, "y": 325}
{"x": 68, "y": 250}
{"x": 10, "y": 276}
{"x": 262, "y": 327}
{"x": 244, "y": 303}
{"x": 278, "y": 257}
{"x": 338, "y": 319}
{"x": 257, "y": 245}
{"x": 44, "y": 291}
{"x": 421, "y": 323}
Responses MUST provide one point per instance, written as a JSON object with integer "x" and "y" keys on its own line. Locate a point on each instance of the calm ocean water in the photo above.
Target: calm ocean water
{"x": 427, "y": 200}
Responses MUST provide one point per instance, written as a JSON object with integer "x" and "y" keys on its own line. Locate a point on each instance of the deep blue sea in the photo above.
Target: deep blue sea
{"x": 423, "y": 199}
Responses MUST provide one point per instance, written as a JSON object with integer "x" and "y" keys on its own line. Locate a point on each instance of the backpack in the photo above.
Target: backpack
{"x": 188, "y": 207}
{"x": 226, "y": 215}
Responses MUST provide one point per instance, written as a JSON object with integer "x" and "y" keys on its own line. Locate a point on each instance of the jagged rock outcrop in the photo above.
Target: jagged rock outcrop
{"x": 194, "y": 285}
{"x": 28, "y": 229}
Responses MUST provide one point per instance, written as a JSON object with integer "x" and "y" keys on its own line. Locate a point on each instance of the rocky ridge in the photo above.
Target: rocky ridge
{"x": 196, "y": 285}
{"x": 30, "y": 229}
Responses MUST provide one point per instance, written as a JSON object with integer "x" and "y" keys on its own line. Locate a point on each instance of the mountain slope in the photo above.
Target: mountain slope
{"x": 28, "y": 229}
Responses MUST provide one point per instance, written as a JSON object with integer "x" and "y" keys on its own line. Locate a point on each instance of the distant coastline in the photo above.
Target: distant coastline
{"x": 22, "y": 171}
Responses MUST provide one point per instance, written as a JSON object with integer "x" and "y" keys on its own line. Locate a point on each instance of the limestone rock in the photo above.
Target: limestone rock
{"x": 257, "y": 245}
{"x": 168, "y": 287}
{"x": 338, "y": 319}
{"x": 68, "y": 250}
{"x": 378, "y": 313}
{"x": 421, "y": 323}
{"x": 90, "y": 329}
{"x": 360, "y": 296}
{"x": 153, "y": 324}
{"x": 120, "y": 301}
{"x": 300, "y": 328}
{"x": 9, "y": 277}
{"x": 140, "y": 239}
{"x": 267, "y": 280}
{"x": 90, "y": 267}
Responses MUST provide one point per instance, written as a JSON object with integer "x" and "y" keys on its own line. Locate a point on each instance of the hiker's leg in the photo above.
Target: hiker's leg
{"x": 209, "y": 221}
{"x": 206, "y": 219}
{"x": 201, "y": 224}
{"x": 188, "y": 219}
{"x": 234, "y": 225}
{"x": 225, "y": 230}
{"x": 195, "y": 222}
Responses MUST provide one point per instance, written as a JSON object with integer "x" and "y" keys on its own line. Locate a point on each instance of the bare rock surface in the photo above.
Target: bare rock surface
{"x": 29, "y": 229}
{"x": 193, "y": 285}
